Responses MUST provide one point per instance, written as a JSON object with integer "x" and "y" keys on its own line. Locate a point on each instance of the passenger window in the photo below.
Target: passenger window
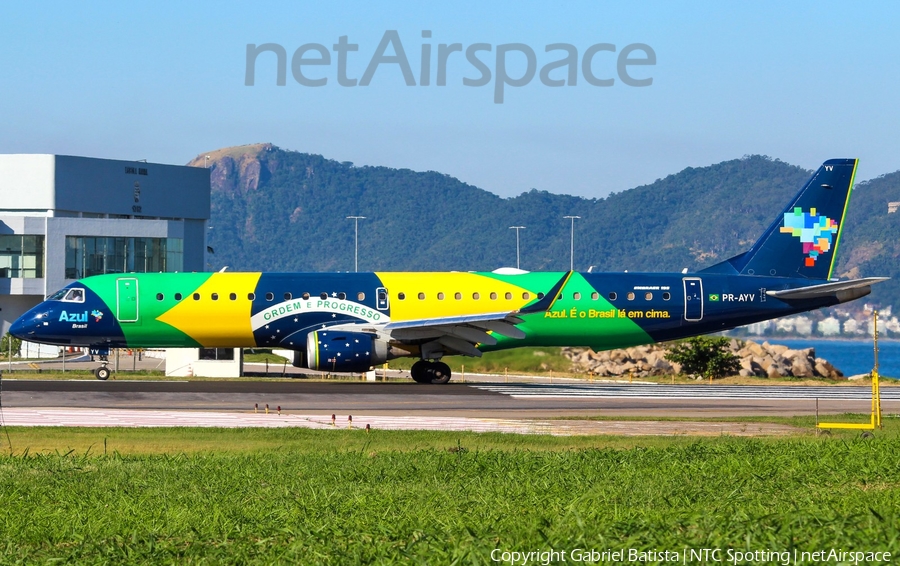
{"x": 342, "y": 296}
{"x": 270, "y": 296}
{"x": 251, "y": 296}
{"x": 595, "y": 296}
{"x": 421, "y": 296}
{"x": 613, "y": 296}
{"x": 508, "y": 296}
{"x": 401, "y": 296}
{"x": 178, "y": 296}
{"x": 540, "y": 295}
{"x": 440, "y": 296}
{"x": 493, "y": 296}
{"x": 305, "y": 296}
{"x": 526, "y": 295}
{"x": 323, "y": 296}
{"x": 559, "y": 297}
{"x": 233, "y": 296}
{"x": 215, "y": 296}
{"x": 475, "y": 295}
{"x": 630, "y": 296}
{"x": 159, "y": 296}
{"x": 458, "y": 296}
{"x": 666, "y": 296}
{"x": 196, "y": 296}
{"x": 648, "y": 296}
{"x": 576, "y": 295}
{"x": 288, "y": 296}
{"x": 360, "y": 296}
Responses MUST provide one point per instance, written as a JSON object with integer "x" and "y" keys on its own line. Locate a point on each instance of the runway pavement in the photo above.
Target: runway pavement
{"x": 476, "y": 400}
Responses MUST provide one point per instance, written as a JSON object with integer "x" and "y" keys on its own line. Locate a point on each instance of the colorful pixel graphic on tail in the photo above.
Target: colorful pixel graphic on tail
{"x": 815, "y": 232}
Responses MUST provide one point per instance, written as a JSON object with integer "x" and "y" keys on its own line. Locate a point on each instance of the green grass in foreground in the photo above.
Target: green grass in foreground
{"x": 348, "y": 497}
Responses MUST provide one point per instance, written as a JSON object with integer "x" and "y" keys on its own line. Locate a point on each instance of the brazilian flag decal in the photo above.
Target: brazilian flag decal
{"x": 713, "y": 297}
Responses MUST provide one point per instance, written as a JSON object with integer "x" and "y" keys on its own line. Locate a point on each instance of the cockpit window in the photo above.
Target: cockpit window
{"x": 57, "y": 296}
{"x": 75, "y": 295}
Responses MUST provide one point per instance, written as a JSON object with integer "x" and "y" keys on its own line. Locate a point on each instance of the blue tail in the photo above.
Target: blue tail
{"x": 803, "y": 240}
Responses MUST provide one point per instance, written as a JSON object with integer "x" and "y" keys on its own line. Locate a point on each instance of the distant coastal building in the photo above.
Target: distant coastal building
{"x": 893, "y": 206}
{"x": 64, "y": 217}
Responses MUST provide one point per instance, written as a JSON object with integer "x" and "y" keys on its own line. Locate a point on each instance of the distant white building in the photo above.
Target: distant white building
{"x": 803, "y": 325}
{"x": 851, "y": 327}
{"x": 829, "y": 327}
{"x": 63, "y": 218}
{"x": 759, "y": 328}
{"x": 784, "y": 325}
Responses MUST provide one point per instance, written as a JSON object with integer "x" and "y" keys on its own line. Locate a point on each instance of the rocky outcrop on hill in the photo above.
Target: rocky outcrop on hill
{"x": 761, "y": 360}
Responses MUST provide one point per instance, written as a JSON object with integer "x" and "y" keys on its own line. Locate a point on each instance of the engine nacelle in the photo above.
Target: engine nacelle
{"x": 329, "y": 350}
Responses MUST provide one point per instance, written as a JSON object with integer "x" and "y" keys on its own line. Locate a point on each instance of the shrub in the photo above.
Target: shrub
{"x": 704, "y": 356}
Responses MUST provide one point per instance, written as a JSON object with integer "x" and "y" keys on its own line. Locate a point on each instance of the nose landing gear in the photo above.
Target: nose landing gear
{"x": 424, "y": 371}
{"x": 102, "y": 372}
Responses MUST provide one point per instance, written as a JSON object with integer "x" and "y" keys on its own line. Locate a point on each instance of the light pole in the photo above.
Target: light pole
{"x": 572, "y": 243}
{"x": 356, "y": 220}
{"x": 517, "y": 228}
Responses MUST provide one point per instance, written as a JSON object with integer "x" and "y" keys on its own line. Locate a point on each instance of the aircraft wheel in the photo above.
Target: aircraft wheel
{"x": 419, "y": 372}
{"x": 867, "y": 435}
{"x": 102, "y": 373}
{"x": 440, "y": 373}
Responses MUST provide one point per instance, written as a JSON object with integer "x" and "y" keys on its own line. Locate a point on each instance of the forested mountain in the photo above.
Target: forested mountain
{"x": 280, "y": 210}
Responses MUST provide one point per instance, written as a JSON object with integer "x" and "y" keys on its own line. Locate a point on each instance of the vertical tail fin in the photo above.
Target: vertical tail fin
{"x": 803, "y": 240}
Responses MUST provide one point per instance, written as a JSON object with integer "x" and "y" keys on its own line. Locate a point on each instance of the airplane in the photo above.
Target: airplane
{"x": 351, "y": 322}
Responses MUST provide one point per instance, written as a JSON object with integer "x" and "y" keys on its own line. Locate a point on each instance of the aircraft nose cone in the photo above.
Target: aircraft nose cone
{"x": 18, "y": 328}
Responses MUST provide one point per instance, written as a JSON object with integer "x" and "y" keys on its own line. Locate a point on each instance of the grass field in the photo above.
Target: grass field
{"x": 303, "y": 497}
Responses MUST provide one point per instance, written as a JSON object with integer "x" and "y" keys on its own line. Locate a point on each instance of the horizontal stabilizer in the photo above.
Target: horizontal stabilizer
{"x": 856, "y": 287}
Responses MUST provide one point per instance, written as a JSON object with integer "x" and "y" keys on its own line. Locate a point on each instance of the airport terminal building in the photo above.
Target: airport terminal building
{"x": 64, "y": 217}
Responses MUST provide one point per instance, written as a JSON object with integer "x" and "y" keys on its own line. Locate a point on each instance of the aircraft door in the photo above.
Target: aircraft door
{"x": 127, "y": 299}
{"x": 693, "y": 299}
{"x": 381, "y": 299}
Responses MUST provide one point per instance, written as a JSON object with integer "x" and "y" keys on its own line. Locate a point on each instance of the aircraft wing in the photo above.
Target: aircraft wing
{"x": 857, "y": 287}
{"x": 460, "y": 334}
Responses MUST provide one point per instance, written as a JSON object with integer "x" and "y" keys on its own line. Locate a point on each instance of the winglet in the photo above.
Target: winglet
{"x": 545, "y": 303}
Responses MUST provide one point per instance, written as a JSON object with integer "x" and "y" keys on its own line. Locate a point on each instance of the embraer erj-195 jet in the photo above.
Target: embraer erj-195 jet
{"x": 350, "y": 322}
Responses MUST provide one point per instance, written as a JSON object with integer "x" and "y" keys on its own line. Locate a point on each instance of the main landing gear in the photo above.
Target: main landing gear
{"x": 430, "y": 372}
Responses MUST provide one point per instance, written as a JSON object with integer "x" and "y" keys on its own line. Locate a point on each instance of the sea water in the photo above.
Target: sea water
{"x": 853, "y": 357}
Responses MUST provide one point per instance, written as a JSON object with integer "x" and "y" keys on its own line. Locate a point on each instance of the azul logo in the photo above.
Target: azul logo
{"x": 74, "y": 317}
{"x": 816, "y": 232}
{"x": 97, "y": 315}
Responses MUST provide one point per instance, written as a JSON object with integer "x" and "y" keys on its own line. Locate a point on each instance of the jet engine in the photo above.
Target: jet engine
{"x": 328, "y": 350}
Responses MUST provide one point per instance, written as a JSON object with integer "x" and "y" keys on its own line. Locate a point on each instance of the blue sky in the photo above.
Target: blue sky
{"x": 802, "y": 82}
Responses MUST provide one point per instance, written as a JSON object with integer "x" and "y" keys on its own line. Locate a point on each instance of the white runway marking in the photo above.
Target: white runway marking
{"x": 145, "y": 418}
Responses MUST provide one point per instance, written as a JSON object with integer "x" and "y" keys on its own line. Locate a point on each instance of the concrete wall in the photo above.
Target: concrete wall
{"x": 27, "y": 182}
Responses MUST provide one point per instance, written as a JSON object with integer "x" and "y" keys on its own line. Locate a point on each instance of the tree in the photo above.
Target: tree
{"x": 704, "y": 356}
{"x": 5, "y": 345}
